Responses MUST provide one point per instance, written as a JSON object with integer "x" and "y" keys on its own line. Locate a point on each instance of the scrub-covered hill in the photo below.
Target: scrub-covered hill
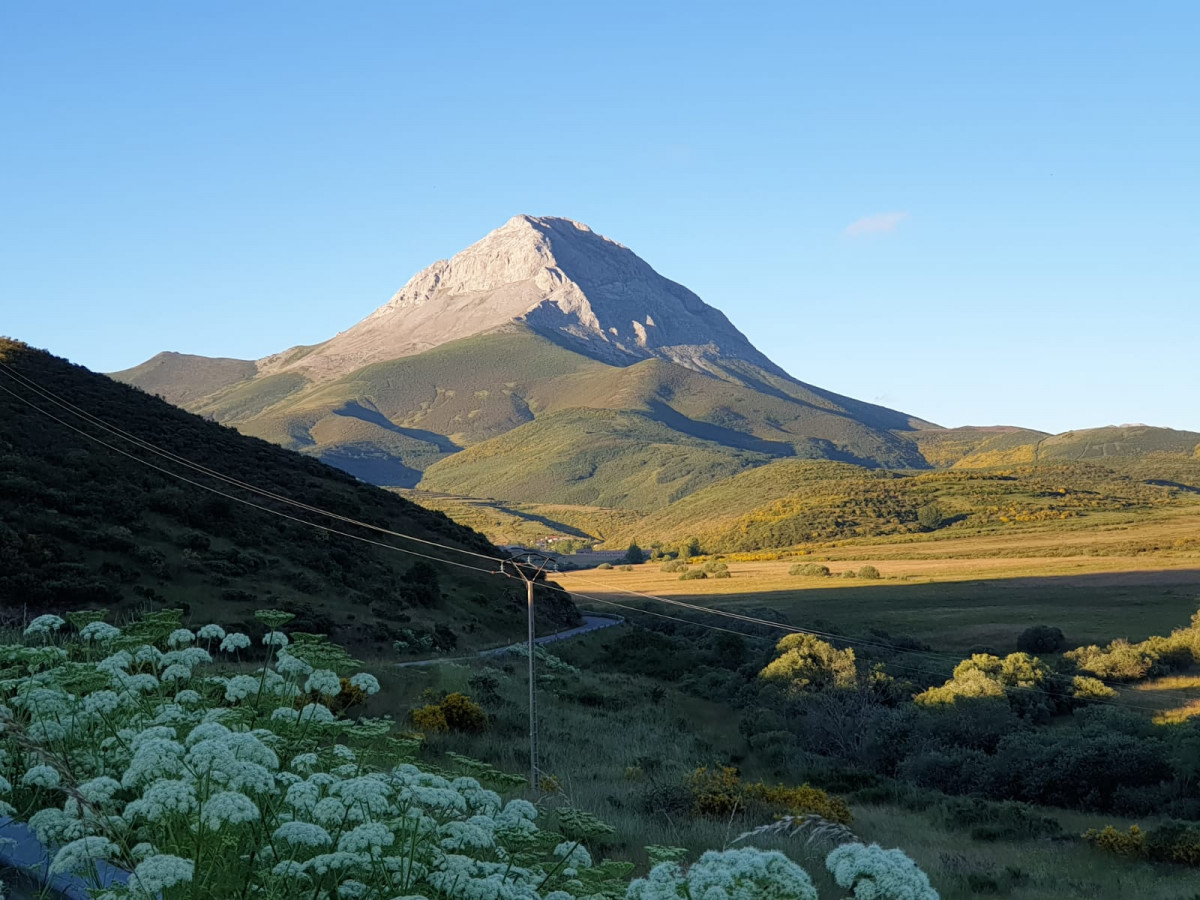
{"x": 82, "y": 524}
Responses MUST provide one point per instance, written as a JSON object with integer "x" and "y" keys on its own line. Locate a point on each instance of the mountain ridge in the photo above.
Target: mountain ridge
{"x": 541, "y": 316}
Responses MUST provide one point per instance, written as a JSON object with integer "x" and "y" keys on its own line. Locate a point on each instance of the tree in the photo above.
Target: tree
{"x": 930, "y": 516}
{"x": 634, "y": 554}
{"x": 808, "y": 663}
{"x": 689, "y": 548}
{"x": 1041, "y": 639}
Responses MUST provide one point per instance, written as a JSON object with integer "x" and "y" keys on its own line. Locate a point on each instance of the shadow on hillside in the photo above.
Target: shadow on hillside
{"x": 971, "y": 615}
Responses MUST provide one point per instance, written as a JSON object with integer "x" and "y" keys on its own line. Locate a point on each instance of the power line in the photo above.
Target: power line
{"x": 679, "y": 603}
{"x": 47, "y": 394}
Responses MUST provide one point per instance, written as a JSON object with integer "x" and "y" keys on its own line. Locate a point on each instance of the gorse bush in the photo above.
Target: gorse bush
{"x": 869, "y": 572}
{"x": 1171, "y": 842}
{"x": 454, "y": 712}
{"x": 131, "y": 746}
{"x": 719, "y": 793}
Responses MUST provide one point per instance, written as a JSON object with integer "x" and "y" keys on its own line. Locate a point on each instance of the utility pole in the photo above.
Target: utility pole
{"x": 530, "y": 575}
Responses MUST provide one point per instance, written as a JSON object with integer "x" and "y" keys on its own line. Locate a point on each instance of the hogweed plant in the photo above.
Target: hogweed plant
{"x": 148, "y": 748}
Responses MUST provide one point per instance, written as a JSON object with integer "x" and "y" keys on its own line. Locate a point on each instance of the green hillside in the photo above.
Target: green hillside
{"x": 981, "y": 448}
{"x": 389, "y": 422}
{"x": 792, "y": 502}
{"x": 84, "y": 525}
{"x": 590, "y": 457}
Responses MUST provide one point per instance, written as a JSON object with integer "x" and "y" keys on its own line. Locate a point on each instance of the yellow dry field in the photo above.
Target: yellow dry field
{"x": 976, "y": 592}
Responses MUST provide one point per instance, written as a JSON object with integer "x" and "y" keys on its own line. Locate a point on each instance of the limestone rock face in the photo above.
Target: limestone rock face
{"x": 557, "y": 276}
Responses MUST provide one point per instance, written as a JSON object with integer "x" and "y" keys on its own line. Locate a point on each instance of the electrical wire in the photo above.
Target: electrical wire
{"x": 753, "y": 620}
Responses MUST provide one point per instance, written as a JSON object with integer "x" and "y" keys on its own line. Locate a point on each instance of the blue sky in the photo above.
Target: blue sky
{"x": 975, "y": 213}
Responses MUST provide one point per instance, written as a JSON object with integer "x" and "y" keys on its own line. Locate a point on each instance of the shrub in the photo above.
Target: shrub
{"x": 1112, "y": 841}
{"x": 455, "y": 712}
{"x": 675, "y": 565}
{"x": 634, "y": 554}
{"x": 802, "y": 800}
{"x": 1174, "y": 842}
{"x": 604, "y": 566}
{"x": 1041, "y": 639}
{"x": 430, "y": 719}
{"x": 464, "y": 714}
{"x": 849, "y": 573}
{"x": 805, "y": 662}
{"x": 718, "y": 793}
{"x": 1171, "y": 842}
{"x": 809, "y": 569}
{"x": 930, "y": 516}
{"x": 868, "y": 572}
{"x": 693, "y": 575}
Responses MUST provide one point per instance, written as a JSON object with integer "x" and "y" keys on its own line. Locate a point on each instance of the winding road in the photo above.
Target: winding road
{"x": 591, "y": 622}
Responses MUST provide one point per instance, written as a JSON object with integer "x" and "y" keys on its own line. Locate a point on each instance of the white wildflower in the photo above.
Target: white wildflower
{"x": 228, "y": 808}
{"x": 285, "y": 714}
{"x": 42, "y": 776}
{"x": 292, "y": 666}
{"x": 44, "y": 625}
{"x": 478, "y": 832}
{"x": 53, "y": 826}
{"x": 234, "y": 641}
{"x": 333, "y": 862}
{"x": 188, "y": 656}
{"x": 180, "y": 637}
{"x": 275, "y": 639}
{"x": 98, "y": 633}
{"x": 81, "y": 854}
{"x": 101, "y": 703}
{"x": 303, "y": 834}
{"x": 157, "y": 873}
{"x": 366, "y": 683}
{"x": 575, "y": 854}
{"x": 147, "y": 653}
{"x": 118, "y": 662}
{"x": 351, "y": 889}
{"x": 176, "y": 672}
{"x": 323, "y": 682}
{"x": 187, "y": 697}
{"x": 369, "y": 837}
{"x": 304, "y": 762}
{"x": 99, "y": 790}
{"x": 239, "y": 687}
{"x": 317, "y": 714}
{"x": 211, "y": 633}
{"x": 289, "y": 868}
{"x": 154, "y": 759}
{"x": 871, "y": 872}
{"x": 162, "y": 799}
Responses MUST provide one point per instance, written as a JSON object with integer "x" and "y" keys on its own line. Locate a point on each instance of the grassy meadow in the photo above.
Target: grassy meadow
{"x": 1124, "y": 580}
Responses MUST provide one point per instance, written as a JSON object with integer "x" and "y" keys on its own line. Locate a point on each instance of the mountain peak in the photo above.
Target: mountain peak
{"x": 558, "y": 277}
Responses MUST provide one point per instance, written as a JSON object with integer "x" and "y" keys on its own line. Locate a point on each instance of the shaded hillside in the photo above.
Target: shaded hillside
{"x": 84, "y": 525}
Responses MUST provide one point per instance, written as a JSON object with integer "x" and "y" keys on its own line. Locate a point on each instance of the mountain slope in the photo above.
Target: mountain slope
{"x": 981, "y": 448}
{"x": 83, "y": 525}
{"x": 540, "y": 317}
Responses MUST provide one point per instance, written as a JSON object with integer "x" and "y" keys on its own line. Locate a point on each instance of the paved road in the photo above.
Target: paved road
{"x": 591, "y": 622}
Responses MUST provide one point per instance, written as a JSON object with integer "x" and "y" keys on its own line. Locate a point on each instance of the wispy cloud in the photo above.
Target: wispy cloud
{"x": 880, "y": 223}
